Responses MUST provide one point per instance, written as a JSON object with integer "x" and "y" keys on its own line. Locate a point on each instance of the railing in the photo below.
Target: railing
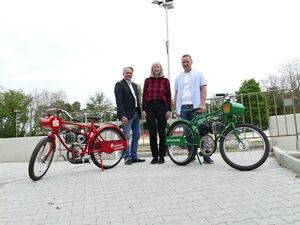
{"x": 276, "y": 112}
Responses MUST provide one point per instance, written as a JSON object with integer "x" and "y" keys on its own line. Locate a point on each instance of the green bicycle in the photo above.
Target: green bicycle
{"x": 243, "y": 146}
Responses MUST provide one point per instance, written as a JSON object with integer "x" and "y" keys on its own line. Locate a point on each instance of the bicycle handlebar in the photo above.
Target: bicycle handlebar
{"x": 48, "y": 111}
{"x": 58, "y": 111}
{"x": 225, "y": 96}
{"x": 66, "y": 113}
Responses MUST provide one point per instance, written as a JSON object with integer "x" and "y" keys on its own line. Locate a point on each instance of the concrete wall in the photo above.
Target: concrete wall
{"x": 17, "y": 149}
{"x": 283, "y": 131}
{"x": 20, "y": 149}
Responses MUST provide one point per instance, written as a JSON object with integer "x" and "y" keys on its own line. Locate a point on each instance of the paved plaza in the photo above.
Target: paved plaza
{"x": 150, "y": 194}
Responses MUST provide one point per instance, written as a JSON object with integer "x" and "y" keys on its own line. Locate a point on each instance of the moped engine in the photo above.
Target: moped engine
{"x": 71, "y": 137}
{"x": 204, "y": 129}
{"x": 74, "y": 154}
{"x": 216, "y": 127}
{"x": 81, "y": 138}
{"x": 207, "y": 145}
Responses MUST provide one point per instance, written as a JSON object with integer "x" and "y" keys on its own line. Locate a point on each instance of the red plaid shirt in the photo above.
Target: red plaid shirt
{"x": 157, "y": 89}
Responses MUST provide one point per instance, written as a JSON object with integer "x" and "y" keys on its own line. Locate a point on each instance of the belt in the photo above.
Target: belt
{"x": 190, "y": 105}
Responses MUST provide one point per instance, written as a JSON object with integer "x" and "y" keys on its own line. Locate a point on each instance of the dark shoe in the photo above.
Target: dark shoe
{"x": 154, "y": 161}
{"x": 208, "y": 160}
{"x": 137, "y": 160}
{"x": 128, "y": 161}
{"x": 161, "y": 160}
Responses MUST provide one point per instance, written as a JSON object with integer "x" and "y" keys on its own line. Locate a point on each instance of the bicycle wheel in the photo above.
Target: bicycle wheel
{"x": 247, "y": 154}
{"x": 41, "y": 158}
{"x": 181, "y": 147}
{"x": 111, "y": 135}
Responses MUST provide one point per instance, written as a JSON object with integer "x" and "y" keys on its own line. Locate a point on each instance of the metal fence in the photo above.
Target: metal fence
{"x": 273, "y": 111}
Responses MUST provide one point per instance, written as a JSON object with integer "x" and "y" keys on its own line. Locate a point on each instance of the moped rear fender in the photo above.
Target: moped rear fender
{"x": 99, "y": 129}
{"x": 106, "y": 125}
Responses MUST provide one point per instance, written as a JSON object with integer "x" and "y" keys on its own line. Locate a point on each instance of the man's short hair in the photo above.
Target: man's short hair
{"x": 186, "y": 55}
{"x": 129, "y": 67}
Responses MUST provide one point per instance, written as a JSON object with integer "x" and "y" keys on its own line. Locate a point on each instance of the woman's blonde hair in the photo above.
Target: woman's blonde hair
{"x": 161, "y": 70}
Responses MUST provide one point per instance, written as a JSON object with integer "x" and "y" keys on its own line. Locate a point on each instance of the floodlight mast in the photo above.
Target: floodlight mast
{"x": 167, "y": 4}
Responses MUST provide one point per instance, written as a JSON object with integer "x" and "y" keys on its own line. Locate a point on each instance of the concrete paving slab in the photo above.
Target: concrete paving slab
{"x": 150, "y": 194}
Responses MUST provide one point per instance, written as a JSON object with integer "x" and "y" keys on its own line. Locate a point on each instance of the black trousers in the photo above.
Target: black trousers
{"x": 156, "y": 122}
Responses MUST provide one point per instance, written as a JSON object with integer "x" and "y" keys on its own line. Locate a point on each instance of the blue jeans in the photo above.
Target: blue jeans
{"x": 134, "y": 126}
{"x": 185, "y": 114}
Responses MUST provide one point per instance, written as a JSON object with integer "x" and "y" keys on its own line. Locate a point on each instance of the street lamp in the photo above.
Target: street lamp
{"x": 16, "y": 111}
{"x": 167, "y": 4}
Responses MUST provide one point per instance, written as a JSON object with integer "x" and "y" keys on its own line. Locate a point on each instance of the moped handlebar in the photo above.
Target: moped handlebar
{"x": 225, "y": 96}
{"x": 66, "y": 113}
{"x": 52, "y": 110}
{"x": 57, "y": 111}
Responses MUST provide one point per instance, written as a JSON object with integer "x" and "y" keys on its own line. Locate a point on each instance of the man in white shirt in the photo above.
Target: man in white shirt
{"x": 190, "y": 93}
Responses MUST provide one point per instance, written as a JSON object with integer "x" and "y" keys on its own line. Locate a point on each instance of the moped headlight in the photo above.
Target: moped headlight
{"x": 226, "y": 107}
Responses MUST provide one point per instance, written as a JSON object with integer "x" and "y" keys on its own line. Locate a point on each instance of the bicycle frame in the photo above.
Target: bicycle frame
{"x": 242, "y": 146}
{"x": 88, "y": 134}
{"x": 229, "y": 121}
{"x": 56, "y": 124}
{"x": 104, "y": 145}
{"x": 228, "y": 115}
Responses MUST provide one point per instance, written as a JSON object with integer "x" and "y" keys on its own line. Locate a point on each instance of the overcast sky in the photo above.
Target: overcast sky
{"x": 81, "y": 46}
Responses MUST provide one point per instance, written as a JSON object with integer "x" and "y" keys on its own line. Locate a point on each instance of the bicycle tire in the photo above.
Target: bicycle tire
{"x": 38, "y": 166}
{"x": 182, "y": 154}
{"x": 109, "y": 160}
{"x": 250, "y": 154}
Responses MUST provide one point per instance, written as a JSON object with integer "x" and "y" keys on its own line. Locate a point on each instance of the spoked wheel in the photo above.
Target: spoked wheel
{"x": 247, "y": 154}
{"x": 41, "y": 158}
{"x": 181, "y": 143}
{"x": 111, "y": 136}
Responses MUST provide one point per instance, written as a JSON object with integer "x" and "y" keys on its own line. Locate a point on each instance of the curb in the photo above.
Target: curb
{"x": 287, "y": 160}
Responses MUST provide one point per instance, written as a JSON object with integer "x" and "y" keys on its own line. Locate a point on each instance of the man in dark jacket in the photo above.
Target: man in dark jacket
{"x": 129, "y": 112}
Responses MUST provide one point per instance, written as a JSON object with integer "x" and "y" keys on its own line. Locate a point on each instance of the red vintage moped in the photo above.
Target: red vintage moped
{"x": 104, "y": 145}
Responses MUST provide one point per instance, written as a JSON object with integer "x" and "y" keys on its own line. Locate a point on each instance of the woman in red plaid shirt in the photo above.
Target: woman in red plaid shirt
{"x": 157, "y": 107}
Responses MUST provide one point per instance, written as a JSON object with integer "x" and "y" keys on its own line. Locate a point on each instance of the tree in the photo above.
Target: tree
{"x": 254, "y": 101}
{"x": 76, "y": 106}
{"x": 13, "y": 113}
{"x": 290, "y": 74}
{"x": 288, "y": 79}
{"x": 271, "y": 83}
{"x": 39, "y": 102}
{"x": 100, "y": 105}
